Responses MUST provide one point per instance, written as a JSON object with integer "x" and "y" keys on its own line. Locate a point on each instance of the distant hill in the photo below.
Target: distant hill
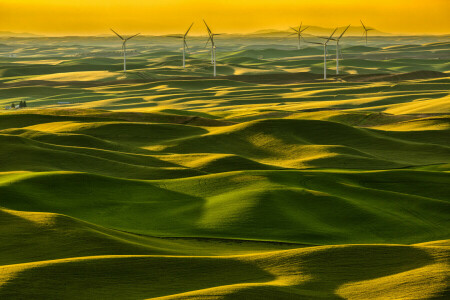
{"x": 17, "y": 34}
{"x": 316, "y": 30}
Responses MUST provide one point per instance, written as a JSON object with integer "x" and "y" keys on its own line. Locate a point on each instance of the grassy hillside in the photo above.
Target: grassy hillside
{"x": 299, "y": 207}
{"x": 57, "y": 248}
{"x": 354, "y": 272}
{"x": 266, "y": 182}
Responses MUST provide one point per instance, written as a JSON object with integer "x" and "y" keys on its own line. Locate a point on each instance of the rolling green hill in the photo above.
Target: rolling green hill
{"x": 264, "y": 183}
{"x": 289, "y": 206}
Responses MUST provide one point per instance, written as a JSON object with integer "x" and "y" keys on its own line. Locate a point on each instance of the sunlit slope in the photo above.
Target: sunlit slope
{"x": 302, "y": 207}
{"x": 57, "y": 248}
{"x": 30, "y": 117}
{"x": 48, "y": 236}
{"x": 39, "y": 156}
{"x": 266, "y": 182}
{"x": 270, "y": 143}
{"x": 303, "y": 143}
{"x": 396, "y": 94}
{"x": 192, "y": 186}
{"x": 330, "y": 272}
{"x": 385, "y": 76}
{"x": 99, "y": 59}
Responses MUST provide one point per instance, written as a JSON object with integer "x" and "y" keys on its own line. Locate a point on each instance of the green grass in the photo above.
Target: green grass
{"x": 301, "y": 273}
{"x": 290, "y": 206}
{"x": 266, "y": 182}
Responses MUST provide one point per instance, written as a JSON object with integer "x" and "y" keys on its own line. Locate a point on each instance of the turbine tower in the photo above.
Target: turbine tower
{"x": 298, "y": 32}
{"x": 325, "y": 45}
{"x": 213, "y": 46}
{"x": 338, "y": 49}
{"x": 185, "y": 46}
{"x": 124, "y": 48}
{"x": 365, "y": 30}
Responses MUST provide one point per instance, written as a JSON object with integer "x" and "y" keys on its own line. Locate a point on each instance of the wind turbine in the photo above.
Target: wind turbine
{"x": 324, "y": 44}
{"x": 338, "y": 49}
{"x": 365, "y": 30}
{"x": 124, "y": 48}
{"x": 213, "y": 46}
{"x": 298, "y": 32}
{"x": 185, "y": 46}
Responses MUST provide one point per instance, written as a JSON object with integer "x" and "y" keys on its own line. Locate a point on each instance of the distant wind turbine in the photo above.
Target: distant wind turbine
{"x": 124, "y": 48}
{"x": 298, "y": 32}
{"x": 213, "y": 46}
{"x": 185, "y": 46}
{"x": 338, "y": 49}
{"x": 365, "y": 30}
{"x": 325, "y": 45}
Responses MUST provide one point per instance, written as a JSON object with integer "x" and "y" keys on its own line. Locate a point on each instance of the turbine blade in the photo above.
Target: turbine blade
{"x": 363, "y": 25}
{"x": 300, "y": 27}
{"x": 342, "y": 34}
{"x": 207, "y": 27}
{"x": 117, "y": 34}
{"x": 207, "y": 42}
{"x": 188, "y": 29}
{"x": 304, "y": 28}
{"x": 187, "y": 47}
{"x": 293, "y": 29}
{"x": 132, "y": 36}
{"x": 330, "y": 36}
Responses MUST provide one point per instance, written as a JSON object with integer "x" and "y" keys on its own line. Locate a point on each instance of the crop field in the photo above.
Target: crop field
{"x": 266, "y": 182}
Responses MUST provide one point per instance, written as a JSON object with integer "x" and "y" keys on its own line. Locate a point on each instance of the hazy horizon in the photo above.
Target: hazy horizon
{"x": 94, "y": 17}
{"x": 107, "y": 33}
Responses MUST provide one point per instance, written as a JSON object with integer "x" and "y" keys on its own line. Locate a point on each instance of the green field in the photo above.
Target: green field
{"x": 263, "y": 183}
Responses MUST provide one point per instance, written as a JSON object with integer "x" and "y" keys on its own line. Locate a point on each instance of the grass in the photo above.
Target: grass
{"x": 301, "y": 273}
{"x": 265, "y": 182}
{"x": 287, "y": 206}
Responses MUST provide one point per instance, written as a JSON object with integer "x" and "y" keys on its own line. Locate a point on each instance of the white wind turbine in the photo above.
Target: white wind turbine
{"x": 185, "y": 46}
{"x": 325, "y": 45}
{"x": 213, "y": 46}
{"x": 338, "y": 49}
{"x": 365, "y": 30}
{"x": 298, "y": 32}
{"x": 124, "y": 48}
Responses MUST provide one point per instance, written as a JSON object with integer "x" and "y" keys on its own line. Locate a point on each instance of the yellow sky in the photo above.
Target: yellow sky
{"x": 66, "y": 17}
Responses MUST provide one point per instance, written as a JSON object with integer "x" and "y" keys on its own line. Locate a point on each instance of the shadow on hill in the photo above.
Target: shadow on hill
{"x": 274, "y": 78}
{"x": 232, "y": 80}
{"x": 343, "y": 265}
{"x": 332, "y": 272}
{"x": 42, "y": 157}
{"x": 394, "y": 77}
{"x": 127, "y": 277}
{"x": 283, "y": 141}
{"x": 133, "y": 206}
{"x": 45, "y": 236}
{"x": 327, "y": 270}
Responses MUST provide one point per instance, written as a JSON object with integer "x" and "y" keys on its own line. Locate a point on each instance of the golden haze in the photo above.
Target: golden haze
{"x": 85, "y": 17}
